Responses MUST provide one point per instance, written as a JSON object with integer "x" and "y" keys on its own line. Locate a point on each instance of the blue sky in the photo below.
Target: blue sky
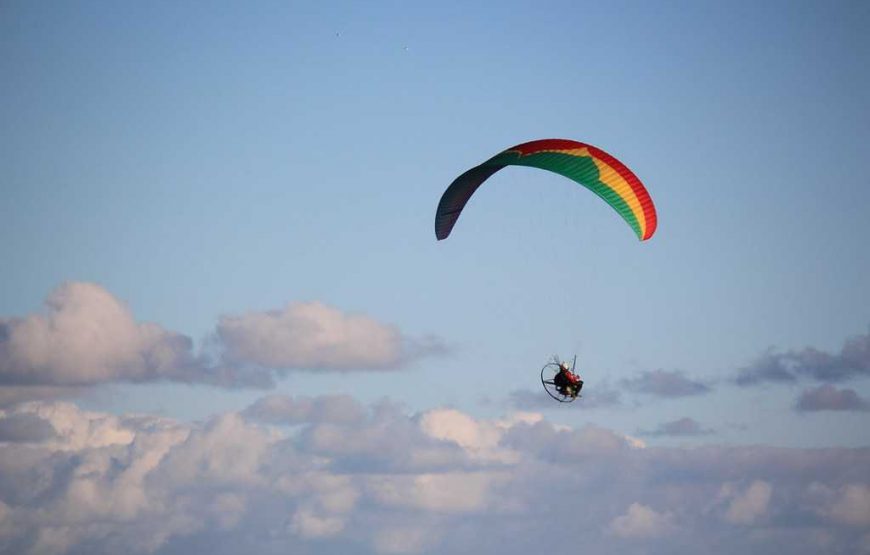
{"x": 203, "y": 162}
{"x": 198, "y": 162}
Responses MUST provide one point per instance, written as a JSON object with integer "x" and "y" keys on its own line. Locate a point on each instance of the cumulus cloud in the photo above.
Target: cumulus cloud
{"x": 308, "y": 525}
{"x": 480, "y": 441}
{"x": 853, "y": 361}
{"x": 847, "y": 504}
{"x": 86, "y": 336}
{"x": 404, "y": 539}
{"x": 851, "y": 505}
{"x": 314, "y": 336}
{"x": 25, "y": 428}
{"x": 828, "y": 397}
{"x": 460, "y": 492}
{"x": 440, "y": 481}
{"x": 681, "y": 427}
{"x": 750, "y": 505}
{"x": 665, "y": 383}
{"x": 641, "y": 522}
{"x": 73, "y": 429}
{"x": 14, "y": 394}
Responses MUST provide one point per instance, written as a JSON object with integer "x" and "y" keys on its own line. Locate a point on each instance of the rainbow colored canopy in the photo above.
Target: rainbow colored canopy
{"x": 591, "y": 167}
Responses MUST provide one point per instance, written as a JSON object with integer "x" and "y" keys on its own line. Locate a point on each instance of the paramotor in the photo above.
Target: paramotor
{"x": 558, "y": 388}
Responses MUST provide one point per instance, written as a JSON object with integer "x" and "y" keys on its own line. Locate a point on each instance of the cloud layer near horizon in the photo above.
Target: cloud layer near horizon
{"x": 338, "y": 476}
{"x": 86, "y": 336}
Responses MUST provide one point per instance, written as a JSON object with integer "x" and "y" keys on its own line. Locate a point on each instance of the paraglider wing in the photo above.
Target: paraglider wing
{"x": 589, "y": 166}
{"x": 456, "y": 196}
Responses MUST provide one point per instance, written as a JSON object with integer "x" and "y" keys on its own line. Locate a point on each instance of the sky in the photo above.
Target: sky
{"x": 226, "y": 323}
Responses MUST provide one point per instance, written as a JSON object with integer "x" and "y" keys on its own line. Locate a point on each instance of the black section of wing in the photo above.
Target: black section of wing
{"x": 456, "y": 196}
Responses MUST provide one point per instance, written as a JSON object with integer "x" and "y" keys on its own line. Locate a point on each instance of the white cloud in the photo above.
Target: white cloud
{"x": 75, "y": 429}
{"x": 309, "y": 525}
{"x": 54, "y": 540}
{"x": 455, "y": 492}
{"x": 24, "y": 428}
{"x": 226, "y": 451}
{"x": 851, "y": 506}
{"x": 403, "y": 540}
{"x": 14, "y": 394}
{"x": 392, "y": 482}
{"x": 227, "y": 509}
{"x": 314, "y": 336}
{"x": 641, "y": 522}
{"x": 751, "y": 505}
{"x": 461, "y": 429}
{"x": 480, "y": 440}
{"x": 86, "y": 337}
